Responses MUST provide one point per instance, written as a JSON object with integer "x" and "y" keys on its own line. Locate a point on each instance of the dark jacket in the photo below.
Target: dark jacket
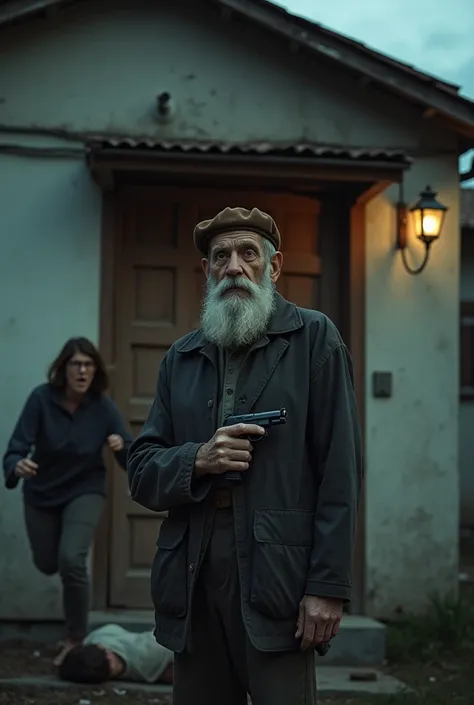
{"x": 295, "y": 514}
{"x": 67, "y": 447}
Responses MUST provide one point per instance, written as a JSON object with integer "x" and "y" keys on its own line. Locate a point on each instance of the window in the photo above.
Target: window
{"x": 467, "y": 350}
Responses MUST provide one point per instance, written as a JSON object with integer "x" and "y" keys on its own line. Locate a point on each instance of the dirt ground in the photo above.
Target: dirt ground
{"x": 29, "y": 659}
{"x": 26, "y": 658}
{"x": 450, "y": 683}
{"x": 78, "y": 697}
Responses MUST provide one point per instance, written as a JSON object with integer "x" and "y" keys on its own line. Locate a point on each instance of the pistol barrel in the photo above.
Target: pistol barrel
{"x": 261, "y": 418}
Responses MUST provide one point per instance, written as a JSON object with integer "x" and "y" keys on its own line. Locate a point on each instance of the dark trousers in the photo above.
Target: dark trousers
{"x": 60, "y": 539}
{"x": 221, "y": 666}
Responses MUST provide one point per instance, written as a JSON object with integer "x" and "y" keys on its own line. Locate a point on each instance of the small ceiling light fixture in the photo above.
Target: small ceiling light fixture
{"x": 428, "y": 216}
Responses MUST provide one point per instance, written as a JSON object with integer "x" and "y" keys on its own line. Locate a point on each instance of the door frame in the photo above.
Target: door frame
{"x": 101, "y": 554}
{"x": 355, "y": 301}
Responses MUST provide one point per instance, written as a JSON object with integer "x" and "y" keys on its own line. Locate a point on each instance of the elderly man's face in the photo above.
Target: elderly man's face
{"x": 241, "y": 274}
{"x": 240, "y": 255}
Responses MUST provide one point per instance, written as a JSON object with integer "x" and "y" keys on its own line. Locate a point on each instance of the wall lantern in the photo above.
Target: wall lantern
{"x": 427, "y": 216}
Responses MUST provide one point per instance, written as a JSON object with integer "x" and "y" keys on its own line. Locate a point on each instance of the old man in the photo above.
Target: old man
{"x": 253, "y": 565}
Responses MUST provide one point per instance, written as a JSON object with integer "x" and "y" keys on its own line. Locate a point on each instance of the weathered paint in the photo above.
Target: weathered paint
{"x": 100, "y": 69}
{"x": 466, "y": 410}
{"x": 412, "y": 515}
{"x": 110, "y": 65}
{"x": 49, "y": 282}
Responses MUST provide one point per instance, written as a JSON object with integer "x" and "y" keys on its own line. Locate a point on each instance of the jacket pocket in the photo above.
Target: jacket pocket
{"x": 169, "y": 573}
{"x": 283, "y": 539}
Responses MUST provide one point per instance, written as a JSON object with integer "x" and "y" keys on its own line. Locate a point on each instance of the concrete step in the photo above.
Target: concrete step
{"x": 360, "y": 642}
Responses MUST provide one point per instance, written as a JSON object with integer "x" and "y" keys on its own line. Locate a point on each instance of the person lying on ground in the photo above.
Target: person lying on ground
{"x": 112, "y": 652}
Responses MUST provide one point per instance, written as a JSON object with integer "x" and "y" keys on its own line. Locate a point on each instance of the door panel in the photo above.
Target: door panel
{"x": 159, "y": 286}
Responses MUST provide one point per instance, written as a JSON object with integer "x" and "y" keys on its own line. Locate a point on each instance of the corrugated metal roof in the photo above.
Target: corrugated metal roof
{"x": 264, "y": 148}
{"x": 467, "y": 208}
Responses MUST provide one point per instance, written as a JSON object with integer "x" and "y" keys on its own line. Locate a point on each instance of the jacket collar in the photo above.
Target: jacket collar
{"x": 286, "y": 319}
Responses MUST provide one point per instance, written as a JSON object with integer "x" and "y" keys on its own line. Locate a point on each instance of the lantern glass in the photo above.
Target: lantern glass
{"x": 428, "y": 216}
{"x": 428, "y": 222}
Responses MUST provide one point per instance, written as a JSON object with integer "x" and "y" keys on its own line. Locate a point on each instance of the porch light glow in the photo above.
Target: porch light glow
{"x": 428, "y": 216}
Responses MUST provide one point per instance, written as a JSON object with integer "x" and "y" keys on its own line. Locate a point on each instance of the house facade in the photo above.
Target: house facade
{"x": 123, "y": 125}
{"x": 466, "y": 412}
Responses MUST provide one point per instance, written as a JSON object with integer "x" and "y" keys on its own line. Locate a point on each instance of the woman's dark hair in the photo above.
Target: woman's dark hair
{"x": 85, "y": 664}
{"x": 57, "y": 369}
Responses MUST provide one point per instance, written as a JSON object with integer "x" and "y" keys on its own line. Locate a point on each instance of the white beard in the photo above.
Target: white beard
{"x": 235, "y": 321}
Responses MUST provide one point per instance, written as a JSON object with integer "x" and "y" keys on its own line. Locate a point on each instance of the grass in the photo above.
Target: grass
{"x": 434, "y": 654}
{"x": 445, "y": 631}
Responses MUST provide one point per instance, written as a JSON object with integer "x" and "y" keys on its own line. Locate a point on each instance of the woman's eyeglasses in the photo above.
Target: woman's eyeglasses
{"x": 79, "y": 365}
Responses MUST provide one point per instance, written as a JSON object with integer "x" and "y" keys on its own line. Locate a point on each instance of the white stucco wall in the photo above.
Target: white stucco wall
{"x": 466, "y": 410}
{"x": 111, "y": 60}
{"x": 412, "y": 514}
{"x": 49, "y": 291}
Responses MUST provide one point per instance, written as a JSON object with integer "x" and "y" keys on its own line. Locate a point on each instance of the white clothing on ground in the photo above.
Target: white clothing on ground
{"x": 145, "y": 660}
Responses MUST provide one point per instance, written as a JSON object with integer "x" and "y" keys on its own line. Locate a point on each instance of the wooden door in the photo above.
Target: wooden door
{"x": 158, "y": 285}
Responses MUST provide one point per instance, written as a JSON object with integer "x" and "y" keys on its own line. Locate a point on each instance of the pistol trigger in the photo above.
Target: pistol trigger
{"x": 254, "y": 439}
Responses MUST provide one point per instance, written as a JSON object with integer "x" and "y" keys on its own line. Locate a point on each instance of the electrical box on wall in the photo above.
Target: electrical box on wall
{"x": 382, "y": 385}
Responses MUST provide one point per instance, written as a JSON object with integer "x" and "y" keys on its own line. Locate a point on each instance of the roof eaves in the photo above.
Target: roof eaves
{"x": 399, "y": 78}
{"x": 14, "y": 10}
{"x": 312, "y": 26}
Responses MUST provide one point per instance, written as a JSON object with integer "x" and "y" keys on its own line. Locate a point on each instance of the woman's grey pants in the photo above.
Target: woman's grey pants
{"x": 60, "y": 539}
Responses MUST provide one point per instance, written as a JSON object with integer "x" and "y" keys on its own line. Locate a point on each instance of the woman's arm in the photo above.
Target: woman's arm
{"x": 23, "y": 439}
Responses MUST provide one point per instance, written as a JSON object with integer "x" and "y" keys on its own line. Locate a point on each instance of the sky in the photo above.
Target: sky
{"x": 436, "y": 37}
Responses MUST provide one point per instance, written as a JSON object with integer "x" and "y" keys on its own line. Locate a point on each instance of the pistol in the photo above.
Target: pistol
{"x": 322, "y": 649}
{"x": 265, "y": 419}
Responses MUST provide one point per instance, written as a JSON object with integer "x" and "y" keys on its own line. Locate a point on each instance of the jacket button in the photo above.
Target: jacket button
{"x": 210, "y": 403}
{"x": 243, "y": 399}
{"x": 191, "y": 567}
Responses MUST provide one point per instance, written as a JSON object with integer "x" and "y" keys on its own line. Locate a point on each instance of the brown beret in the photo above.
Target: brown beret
{"x": 232, "y": 220}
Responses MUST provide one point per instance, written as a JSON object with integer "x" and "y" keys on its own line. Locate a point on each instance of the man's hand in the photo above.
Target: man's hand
{"x": 227, "y": 451}
{"x": 115, "y": 442}
{"x": 25, "y": 468}
{"x": 318, "y": 620}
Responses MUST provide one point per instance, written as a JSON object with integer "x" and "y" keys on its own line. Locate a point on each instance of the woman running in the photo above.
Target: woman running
{"x": 56, "y": 449}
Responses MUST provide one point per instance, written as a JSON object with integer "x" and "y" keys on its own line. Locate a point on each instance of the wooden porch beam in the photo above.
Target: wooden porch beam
{"x": 275, "y": 169}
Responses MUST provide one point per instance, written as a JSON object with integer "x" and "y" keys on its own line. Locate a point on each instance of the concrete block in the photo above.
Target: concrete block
{"x": 361, "y": 642}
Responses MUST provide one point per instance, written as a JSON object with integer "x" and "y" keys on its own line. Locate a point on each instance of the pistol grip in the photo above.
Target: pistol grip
{"x": 234, "y": 478}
